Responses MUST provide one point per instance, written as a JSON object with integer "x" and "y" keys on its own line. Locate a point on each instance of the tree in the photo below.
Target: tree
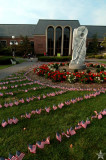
{"x": 93, "y": 45}
{"x": 24, "y": 47}
{"x": 103, "y": 43}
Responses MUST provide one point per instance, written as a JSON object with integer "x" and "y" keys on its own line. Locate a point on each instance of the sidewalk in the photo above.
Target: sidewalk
{"x": 15, "y": 68}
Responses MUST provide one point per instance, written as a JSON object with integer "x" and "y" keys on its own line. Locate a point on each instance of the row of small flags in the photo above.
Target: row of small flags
{"x": 81, "y": 124}
{"x": 39, "y": 144}
{"x": 18, "y": 156}
{"x": 23, "y": 90}
{"x": 32, "y": 98}
{"x": 12, "y": 81}
{"x": 10, "y": 121}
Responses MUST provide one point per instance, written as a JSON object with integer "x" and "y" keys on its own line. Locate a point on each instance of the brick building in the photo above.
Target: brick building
{"x": 50, "y": 36}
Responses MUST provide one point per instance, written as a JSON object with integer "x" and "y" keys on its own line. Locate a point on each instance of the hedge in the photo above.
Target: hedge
{"x": 54, "y": 59}
{"x": 5, "y": 60}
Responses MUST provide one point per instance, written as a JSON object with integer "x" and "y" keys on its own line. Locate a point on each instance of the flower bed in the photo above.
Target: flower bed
{"x": 51, "y": 71}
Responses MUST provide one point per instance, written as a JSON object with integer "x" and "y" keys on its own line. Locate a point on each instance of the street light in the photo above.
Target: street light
{"x": 13, "y": 43}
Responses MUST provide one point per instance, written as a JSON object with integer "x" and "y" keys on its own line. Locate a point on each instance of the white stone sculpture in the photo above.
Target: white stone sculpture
{"x": 79, "y": 48}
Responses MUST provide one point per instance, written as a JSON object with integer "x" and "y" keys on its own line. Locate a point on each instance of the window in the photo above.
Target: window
{"x": 66, "y": 41}
{"x": 3, "y": 43}
{"x": 50, "y": 40}
{"x": 58, "y": 40}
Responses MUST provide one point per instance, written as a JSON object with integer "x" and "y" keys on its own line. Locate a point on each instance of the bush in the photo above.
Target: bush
{"x": 54, "y": 59}
{"x": 88, "y": 71}
{"x": 99, "y": 56}
{"x": 4, "y": 60}
{"x": 98, "y": 66}
{"x": 98, "y": 70}
{"x": 5, "y": 51}
{"x": 75, "y": 70}
{"x": 104, "y": 57}
{"x": 102, "y": 68}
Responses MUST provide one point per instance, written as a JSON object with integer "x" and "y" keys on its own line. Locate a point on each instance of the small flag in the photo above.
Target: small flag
{"x": 4, "y": 123}
{"x": 93, "y": 116}
{"x": 88, "y": 121}
{"x": 64, "y": 134}
{"x": 47, "y": 109}
{"x": 44, "y": 96}
{"x": 40, "y": 144}
{"x": 38, "y": 111}
{"x": 15, "y": 120}
{"x": 99, "y": 116}
{"x": 83, "y": 124}
{"x": 11, "y": 157}
{"x": 10, "y": 104}
{"x": 104, "y": 112}
{"x": 32, "y": 148}
{"x": 16, "y": 103}
{"x": 28, "y": 115}
{"x": 68, "y": 131}
{"x": 10, "y": 121}
{"x": 54, "y": 107}
{"x": 58, "y": 136}
{"x": 47, "y": 141}
{"x": 72, "y": 131}
{"x": 77, "y": 127}
{"x": 33, "y": 112}
{"x": 0, "y": 106}
{"x": 19, "y": 155}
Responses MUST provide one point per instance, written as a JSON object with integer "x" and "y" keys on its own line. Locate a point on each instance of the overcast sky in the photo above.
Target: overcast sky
{"x": 88, "y": 12}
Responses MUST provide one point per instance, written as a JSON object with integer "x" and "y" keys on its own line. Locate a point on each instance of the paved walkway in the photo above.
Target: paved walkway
{"x": 16, "y": 68}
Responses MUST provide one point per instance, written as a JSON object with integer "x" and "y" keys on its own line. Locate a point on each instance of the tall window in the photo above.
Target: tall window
{"x": 66, "y": 41}
{"x": 58, "y": 40}
{"x": 50, "y": 40}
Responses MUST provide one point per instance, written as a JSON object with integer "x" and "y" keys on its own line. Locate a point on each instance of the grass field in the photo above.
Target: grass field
{"x": 86, "y": 143}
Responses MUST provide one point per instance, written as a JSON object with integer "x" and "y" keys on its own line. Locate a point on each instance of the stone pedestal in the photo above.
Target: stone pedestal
{"x": 77, "y": 66}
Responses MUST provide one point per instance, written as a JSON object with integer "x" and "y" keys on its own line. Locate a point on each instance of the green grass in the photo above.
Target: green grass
{"x": 102, "y": 61}
{"x": 86, "y": 143}
{"x": 5, "y": 66}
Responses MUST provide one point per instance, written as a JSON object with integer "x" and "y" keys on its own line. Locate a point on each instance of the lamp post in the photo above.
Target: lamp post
{"x": 13, "y": 43}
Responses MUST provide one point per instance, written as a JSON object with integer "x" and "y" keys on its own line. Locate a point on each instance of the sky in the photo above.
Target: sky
{"x": 88, "y": 12}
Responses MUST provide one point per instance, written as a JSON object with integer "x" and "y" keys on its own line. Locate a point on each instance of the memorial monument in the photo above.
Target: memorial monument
{"x": 79, "y": 48}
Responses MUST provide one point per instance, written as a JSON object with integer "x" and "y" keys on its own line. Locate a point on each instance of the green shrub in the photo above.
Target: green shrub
{"x": 6, "y": 51}
{"x": 98, "y": 66}
{"x": 5, "y": 60}
{"x": 102, "y": 68}
{"x": 75, "y": 70}
{"x": 92, "y": 56}
{"x": 99, "y": 56}
{"x": 54, "y": 59}
{"x": 88, "y": 71}
{"x": 104, "y": 57}
{"x": 98, "y": 70}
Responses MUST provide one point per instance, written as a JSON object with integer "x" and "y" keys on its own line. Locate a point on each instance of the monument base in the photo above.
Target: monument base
{"x": 77, "y": 66}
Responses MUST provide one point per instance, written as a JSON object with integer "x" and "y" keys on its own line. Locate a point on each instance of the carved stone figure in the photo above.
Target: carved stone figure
{"x": 79, "y": 48}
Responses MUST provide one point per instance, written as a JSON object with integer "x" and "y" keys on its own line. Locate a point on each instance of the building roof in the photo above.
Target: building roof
{"x": 100, "y": 30}
{"x": 8, "y": 30}
{"x": 44, "y": 23}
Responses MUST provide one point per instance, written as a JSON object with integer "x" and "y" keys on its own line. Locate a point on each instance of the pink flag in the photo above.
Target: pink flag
{"x": 38, "y": 97}
{"x": 15, "y": 120}
{"x": 0, "y": 106}
{"x": 40, "y": 144}
{"x": 28, "y": 115}
{"x": 33, "y": 112}
{"x": 83, "y": 124}
{"x": 4, "y": 123}
{"x": 99, "y": 116}
{"x": 32, "y": 148}
{"x": 16, "y": 103}
{"x": 6, "y": 104}
{"x": 38, "y": 111}
{"x": 1, "y": 94}
{"x": 10, "y": 104}
{"x": 47, "y": 109}
{"x": 44, "y": 96}
{"x": 72, "y": 131}
{"x": 77, "y": 127}
{"x": 104, "y": 112}
{"x": 88, "y": 121}
{"x": 47, "y": 141}
{"x": 58, "y": 137}
{"x": 68, "y": 131}
{"x": 54, "y": 107}
{"x": 19, "y": 155}
{"x": 10, "y": 121}
{"x": 64, "y": 134}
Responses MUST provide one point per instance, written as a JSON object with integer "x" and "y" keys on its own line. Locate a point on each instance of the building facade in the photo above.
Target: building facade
{"x": 50, "y": 36}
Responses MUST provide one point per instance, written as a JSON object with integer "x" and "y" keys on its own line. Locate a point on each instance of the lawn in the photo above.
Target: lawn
{"x": 86, "y": 143}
